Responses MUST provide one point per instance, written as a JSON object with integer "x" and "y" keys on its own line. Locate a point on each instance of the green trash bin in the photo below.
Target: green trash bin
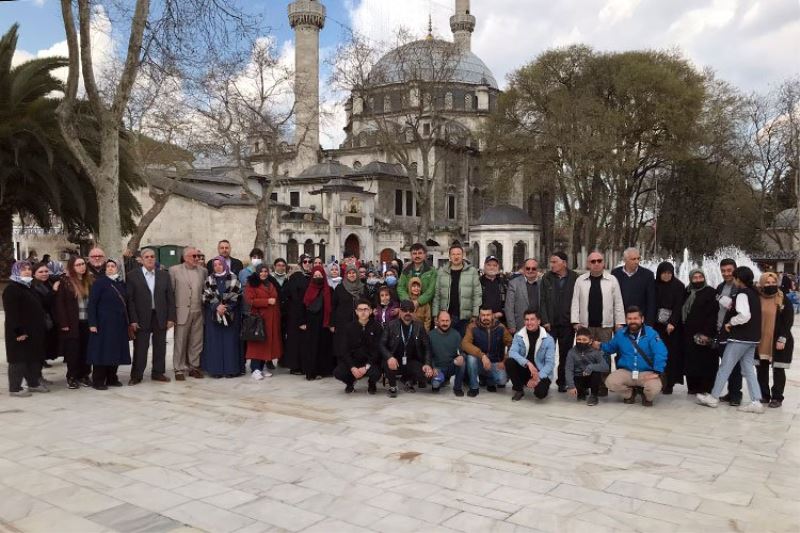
{"x": 168, "y": 254}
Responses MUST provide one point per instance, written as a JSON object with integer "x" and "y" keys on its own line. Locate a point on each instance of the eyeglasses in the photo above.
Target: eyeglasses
{"x": 361, "y": 309}
{"x": 197, "y": 256}
{"x": 529, "y": 269}
{"x": 595, "y": 261}
{"x": 306, "y": 261}
{"x": 96, "y": 256}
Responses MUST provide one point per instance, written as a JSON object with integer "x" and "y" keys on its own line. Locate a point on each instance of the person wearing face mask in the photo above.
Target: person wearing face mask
{"x": 699, "y": 317}
{"x": 371, "y": 286}
{"x": 777, "y": 343}
{"x": 390, "y": 280}
{"x": 24, "y": 332}
{"x": 221, "y": 300}
{"x": 294, "y": 291}
{"x": 109, "y": 345}
{"x": 317, "y": 308}
{"x": 256, "y": 259}
{"x": 584, "y": 368}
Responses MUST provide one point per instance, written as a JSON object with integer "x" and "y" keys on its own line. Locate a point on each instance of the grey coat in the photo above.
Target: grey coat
{"x": 591, "y": 360}
{"x": 517, "y": 302}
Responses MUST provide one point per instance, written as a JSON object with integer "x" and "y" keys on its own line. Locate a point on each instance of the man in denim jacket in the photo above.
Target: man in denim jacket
{"x": 531, "y": 358}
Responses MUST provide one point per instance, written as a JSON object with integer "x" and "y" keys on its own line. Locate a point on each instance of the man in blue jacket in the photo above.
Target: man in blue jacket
{"x": 641, "y": 358}
{"x": 531, "y": 358}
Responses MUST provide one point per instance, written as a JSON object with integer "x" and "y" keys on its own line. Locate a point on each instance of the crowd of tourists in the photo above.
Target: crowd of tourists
{"x": 406, "y": 327}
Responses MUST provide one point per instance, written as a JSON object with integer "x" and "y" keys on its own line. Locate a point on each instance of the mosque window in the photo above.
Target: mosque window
{"x": 448, "y": 101}
{"x": 451, "y": 206}
{"x": 357, "y": 165}
{"x": 294, "y": 198}
{"x": 409, "y": 204}
{"x": 398, "y": 202}
{"x": 468, "y": 102}
{"x": 387, "y": 104}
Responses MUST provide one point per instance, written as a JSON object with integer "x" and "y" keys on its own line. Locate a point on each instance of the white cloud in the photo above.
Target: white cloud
{"x": 617, "y": 10}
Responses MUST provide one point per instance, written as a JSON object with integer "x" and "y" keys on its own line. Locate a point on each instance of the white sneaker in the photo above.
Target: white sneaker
{"x": 707, "y": 400}
{"x": 257, "y": 375}
{"x": 753, "y": 407}
{"x": 266, "y": 374}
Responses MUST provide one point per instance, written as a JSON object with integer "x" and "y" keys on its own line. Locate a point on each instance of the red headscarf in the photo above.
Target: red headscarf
{"x": 313, "y": 291}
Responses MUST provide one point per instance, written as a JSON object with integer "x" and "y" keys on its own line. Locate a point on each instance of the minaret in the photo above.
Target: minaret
{"x": 462, "y": 24}
{"x": 307, "y": 18}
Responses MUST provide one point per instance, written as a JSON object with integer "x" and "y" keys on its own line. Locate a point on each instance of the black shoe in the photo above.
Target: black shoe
{"x": 630, "y": 400}
{"x": 517, "y": 396}
{"x": 473, "y": 392}
{"x": 100, "y": 387}
{"x": 408, "y": 387}
{"x": 725, "y": 398}
{"x": 603, "y": 391}
{"x": 86, "y": 382}
{"x": 350, "y": 388}
{"x": 562, "y": 388}
{"x": 117, "y": 383}
{"x": 774, "y": 404}
{"x": 73, "y": 384}
{"x": 736, "y": 402}
{"x": 646, "y": 402}
{"x": 763, "y": 400}
{"x": 392, "y": 392}
{"x": 270, "y": 365}
{"x": 491, "y": 388}
{"x": 459, "y": 392}
{"x": 435, "y": 390}
{"x": 592, "y": 400}
{"x": 296, "y": 373}
{"x": 666, "y": 390}
{"x": 371, "y": 388}
{"x": 581, "y": 397}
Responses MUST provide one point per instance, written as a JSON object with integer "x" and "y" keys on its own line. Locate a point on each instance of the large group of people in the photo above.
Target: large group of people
{"x": 627, "y": 330}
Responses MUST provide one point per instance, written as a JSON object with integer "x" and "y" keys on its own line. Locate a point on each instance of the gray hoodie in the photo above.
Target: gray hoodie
{"x": 578, "y": 361}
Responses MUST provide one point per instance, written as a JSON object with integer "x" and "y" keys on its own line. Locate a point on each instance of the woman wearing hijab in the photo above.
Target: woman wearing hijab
{"x": 294, "y": 290}
{"x": 72, "y": 321}
{"x": 699, "y": 317}
{"x": 46, "y": 290}
{"x": 345, "y": 299}
{"x": 334, "y": 276}
{"x": 262, "y": 295}
{"x": 25, "y": 331}
{"x": 777, "y": 342}
{"x": 221, "y": 348}
{"x": 670, "y": 293}
{"x": 317, "y": 305}
{"x": 109, "y": 344}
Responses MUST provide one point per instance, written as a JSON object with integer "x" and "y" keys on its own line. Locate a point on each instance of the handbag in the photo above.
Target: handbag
{"x": 131, "y": 329}
{"x": 664, "y": 315}
{"x": 253, "y": 329}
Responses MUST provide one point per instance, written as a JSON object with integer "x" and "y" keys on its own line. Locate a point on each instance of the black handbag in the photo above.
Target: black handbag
{"x": 253, "y": 329}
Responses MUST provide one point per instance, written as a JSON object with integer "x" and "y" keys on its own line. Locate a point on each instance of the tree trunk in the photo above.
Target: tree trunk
{"x": 109, "y": 227}
{"x": 6, "y": 239}
{"x": 424, "y": 219}
{"x": 160, "y": 201}
{"x": 263, "y": 215}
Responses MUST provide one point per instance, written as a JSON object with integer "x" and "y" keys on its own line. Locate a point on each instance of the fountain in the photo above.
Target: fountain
{"x": 708, "y": 264}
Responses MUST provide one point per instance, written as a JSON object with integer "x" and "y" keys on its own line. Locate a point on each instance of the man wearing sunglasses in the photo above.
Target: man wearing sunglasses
{"x": 523, "y": 294}
{"x": 597, "y": 300}
{"x": 188, "y": 279}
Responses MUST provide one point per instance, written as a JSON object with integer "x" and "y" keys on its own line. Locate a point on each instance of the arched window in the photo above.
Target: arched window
{"x": 475, "y": 254}
{"x": 308, "y": 247}
{"x": 468, "y": 102}
{"x": 520, "y": 253}
{"x": 495, "y": 248}
{"x": 292, "y": 252}
{"x": 448, "y": 101}
{"x": 387, "y": 104}
{"x": 321, "y": 248}
{"x": 356, "y": 165}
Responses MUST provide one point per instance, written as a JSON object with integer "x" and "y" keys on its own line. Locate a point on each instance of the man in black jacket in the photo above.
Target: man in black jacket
{"x": 726, "y": 296}
{"x": 224, "y": 250}
{"x": 406, "y": 350}
{"x": 151, "y": 310}
{"x": 558, "y": 286}
{"x": 359, "y": 355}
{"x": 637, "y": 284}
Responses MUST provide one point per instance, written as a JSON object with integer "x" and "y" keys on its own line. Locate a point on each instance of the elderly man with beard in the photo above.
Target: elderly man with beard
{"x": 406, "y": 350}
{"x": 642, "y": 358}
{"x": 494, "y": 286}
{"x": 486, "y": 343}
{"x": 97, "y": 262}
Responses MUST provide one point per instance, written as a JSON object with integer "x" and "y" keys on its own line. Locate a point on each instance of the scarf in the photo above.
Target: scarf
{"x": 687, "y": 305}
{"x": 355, "y": 288}
{"x": 313, "y": 291}
{"x": 15, "y": 270}
{"x": 280, "y": 279}
{"x": 770, "y": 305}
{"x": 224, "y": 264}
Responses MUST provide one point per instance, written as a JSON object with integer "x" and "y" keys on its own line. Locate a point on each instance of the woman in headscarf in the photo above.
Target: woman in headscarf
{"x": 334, "y": 276}
{"x": 72, "y": 320}
{"x": 221, "y": 348}
{"x": 293, "y": 292}
{"x": 46, "y": 289}
{"x": 25, "y": 331}
{"x": 777, "y": 342}
{"x": 669, "y": 302}
{"x": 699, "y": 317}
{"x": 109, "y": 343}
{"x": 317, "y": 305}
{"x": 262, "y": 295}
{"x": 345, "y": 299}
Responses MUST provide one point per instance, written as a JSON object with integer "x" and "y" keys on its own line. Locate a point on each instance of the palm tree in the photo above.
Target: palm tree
{"x": 39, "y": 177}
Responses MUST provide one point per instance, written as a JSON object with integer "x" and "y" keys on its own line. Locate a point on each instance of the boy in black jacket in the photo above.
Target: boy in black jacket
{"x": 585, "y": 368}
{"x": 359, "y": 354}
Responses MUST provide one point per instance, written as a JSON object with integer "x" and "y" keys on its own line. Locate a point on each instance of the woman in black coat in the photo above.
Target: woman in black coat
{"x": 109, "y": 344}
{"x": 25, "y": 331}
{"x": 777, "y": 350}
{"x": 345, "y": 297}
{"x": 293, "y": 292}
{"x": 669, "y": 302}
{"x": 699, "y": 316}
{"x": 46, "y": 288}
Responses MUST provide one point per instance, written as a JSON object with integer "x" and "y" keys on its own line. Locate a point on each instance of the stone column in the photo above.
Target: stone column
{"x": 307, "y": 18}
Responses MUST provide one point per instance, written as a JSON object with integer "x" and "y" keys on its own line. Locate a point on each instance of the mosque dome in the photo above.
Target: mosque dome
{"x": 413, "y": 61}
{"x": 505, "y": 215}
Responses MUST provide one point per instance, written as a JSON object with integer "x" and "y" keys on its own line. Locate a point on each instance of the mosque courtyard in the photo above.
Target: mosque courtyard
{"x": 284, "y": 454}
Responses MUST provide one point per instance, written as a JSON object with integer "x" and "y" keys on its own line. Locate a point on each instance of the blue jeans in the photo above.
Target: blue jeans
{"x": 743, "y": 354}
{"x": 445, "y": 373}
{"x": 494, "y": 376}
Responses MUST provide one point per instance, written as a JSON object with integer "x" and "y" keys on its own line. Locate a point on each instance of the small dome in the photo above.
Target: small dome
{"x": 411, "y": 61}
{"x": 505, "y": 215}
{"x": 328, "y": 169}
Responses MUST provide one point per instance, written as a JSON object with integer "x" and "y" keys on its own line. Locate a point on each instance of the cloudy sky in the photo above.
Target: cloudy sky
{"x": 751, "y": 43}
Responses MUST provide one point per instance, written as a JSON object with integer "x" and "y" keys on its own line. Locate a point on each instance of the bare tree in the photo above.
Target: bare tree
{"x": 161, "y": 32}
{"x": 414, "y": 132}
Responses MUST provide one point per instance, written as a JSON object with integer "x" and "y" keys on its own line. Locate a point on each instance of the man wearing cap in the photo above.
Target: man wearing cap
{"x": 406, "y": 350}
{"x": 494, "y": 285}
{"x": 524, "y": 293}
{"x": 558, "y": 286}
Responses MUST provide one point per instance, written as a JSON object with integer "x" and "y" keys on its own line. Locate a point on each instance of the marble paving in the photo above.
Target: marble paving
{"x": 235, "y": 455}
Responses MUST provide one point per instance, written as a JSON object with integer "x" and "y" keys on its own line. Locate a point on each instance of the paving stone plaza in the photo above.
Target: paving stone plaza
{"x": 284, "y": 454}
